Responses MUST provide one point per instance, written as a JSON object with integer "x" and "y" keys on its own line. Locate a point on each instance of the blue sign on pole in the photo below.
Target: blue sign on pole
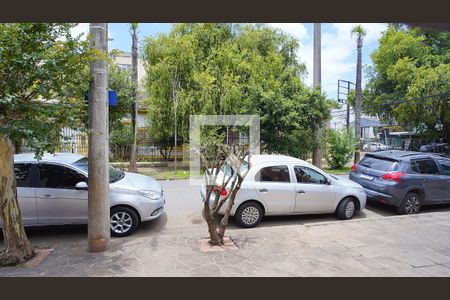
{"x": 112, "y": 98}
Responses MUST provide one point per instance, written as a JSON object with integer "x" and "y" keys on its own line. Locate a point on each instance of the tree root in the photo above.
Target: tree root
{"x": 8, "y": 258}
{"x": 216, "y": 243}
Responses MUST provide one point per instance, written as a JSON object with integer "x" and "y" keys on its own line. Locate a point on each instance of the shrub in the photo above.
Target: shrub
{"x": 340, "y": 147}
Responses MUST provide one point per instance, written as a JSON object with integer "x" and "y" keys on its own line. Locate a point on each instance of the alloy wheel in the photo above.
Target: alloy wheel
{"x": 350, "y": 209}
{"x": 412, "y": 205}
{"x": 121, "y": 222}
{"x": 250, "y": 215}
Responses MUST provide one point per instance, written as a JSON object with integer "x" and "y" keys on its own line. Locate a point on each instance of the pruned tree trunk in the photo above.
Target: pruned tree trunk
{"x": 17, "y": 247}
{"x": 226, "y": 216}
{"x": 212, "y": 226}
{"x": 211, "y": 210}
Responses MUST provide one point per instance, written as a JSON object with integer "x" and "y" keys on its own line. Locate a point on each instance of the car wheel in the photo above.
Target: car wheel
{"x": 346, "y": 209}
{"x": 410, "y": 205}
{"x": 249, "y": 214}
{"x": 124, "y": 221}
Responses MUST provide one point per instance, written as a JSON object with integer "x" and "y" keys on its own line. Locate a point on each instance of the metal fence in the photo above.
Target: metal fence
{"x": 75, "y": 141}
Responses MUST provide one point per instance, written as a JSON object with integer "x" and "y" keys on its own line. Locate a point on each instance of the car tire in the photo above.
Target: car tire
{"x": 346, "y": 209}
{"x": 123, "y": 221}
{"x": 249, "y": 214}
{"x": 410, "y": 205}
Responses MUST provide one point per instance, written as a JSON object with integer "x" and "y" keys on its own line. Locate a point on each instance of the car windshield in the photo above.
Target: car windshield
{"x": 114, "y": 174}
{"x": 331, "y": 175}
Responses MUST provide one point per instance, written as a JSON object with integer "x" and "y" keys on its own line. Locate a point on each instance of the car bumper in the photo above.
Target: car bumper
{"x": 153, "y": 210}
{"x": 382, "y": 198}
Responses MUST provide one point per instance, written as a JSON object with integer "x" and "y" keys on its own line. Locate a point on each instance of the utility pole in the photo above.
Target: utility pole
{"x": 175, "y": 90}
{"x": 98, "y": 179}
{"x": 134, "y": 105}
{"x": 317, "y": 150}
{"x": 346, "y": 93}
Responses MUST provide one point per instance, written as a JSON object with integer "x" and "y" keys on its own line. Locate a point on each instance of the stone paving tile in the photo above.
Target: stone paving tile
{"x": 395, "y": 246}
{"x": 436, "y": 270}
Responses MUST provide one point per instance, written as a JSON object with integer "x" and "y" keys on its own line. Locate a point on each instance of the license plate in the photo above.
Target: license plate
{"x": 364, "y": 176}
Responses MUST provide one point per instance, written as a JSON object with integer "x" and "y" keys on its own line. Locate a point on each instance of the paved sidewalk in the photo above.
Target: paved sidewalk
{"x": 389, "y": 246}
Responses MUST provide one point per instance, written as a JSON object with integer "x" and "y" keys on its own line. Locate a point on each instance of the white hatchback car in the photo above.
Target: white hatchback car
{"x": 283, "y": 185}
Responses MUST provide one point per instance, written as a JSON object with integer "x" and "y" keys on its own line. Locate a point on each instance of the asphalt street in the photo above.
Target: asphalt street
{"x": 183, "y": 215}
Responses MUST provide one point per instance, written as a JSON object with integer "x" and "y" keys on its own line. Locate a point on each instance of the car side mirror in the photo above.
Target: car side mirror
{"x": 81, "y": 186}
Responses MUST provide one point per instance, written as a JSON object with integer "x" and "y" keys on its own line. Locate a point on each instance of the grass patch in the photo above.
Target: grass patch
{"x": 164, "y": 174}
{"x": 344, "y": 170}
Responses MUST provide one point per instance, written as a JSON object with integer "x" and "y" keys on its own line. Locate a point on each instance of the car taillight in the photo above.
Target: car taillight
{"x": 393, "y": 176}
{"x": 354, "y": 168}
{"x": 223, "y": 191}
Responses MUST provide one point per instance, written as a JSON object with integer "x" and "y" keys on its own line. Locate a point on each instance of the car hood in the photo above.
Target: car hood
{"x": 347, "y": 182}
{"x": 136, "y": 182}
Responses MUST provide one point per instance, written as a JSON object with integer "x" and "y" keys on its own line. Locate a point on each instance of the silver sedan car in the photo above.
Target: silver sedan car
{"x": 53, "y": 191}
{"x": 283, "y": 185}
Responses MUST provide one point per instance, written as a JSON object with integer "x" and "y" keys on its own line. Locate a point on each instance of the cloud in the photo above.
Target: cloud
{"x": 80, "y": 28}
{"x": 338, "y": 50}
{"x": 297, "y": 30}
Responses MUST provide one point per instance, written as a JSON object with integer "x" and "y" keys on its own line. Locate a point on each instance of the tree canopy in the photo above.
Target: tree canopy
{"x": 232, "y": 69}
{"x": 40, "y": 76}
{"x": 409, "y": 66}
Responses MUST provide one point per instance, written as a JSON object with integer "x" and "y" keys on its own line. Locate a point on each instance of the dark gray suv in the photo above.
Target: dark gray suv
{"x": 406, "y": 180}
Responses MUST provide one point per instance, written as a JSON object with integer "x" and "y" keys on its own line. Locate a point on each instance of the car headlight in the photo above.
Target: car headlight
{"x": 152, "y": 195}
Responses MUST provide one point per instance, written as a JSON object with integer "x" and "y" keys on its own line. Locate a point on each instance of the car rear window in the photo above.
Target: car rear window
{"x": 379, "y": 163}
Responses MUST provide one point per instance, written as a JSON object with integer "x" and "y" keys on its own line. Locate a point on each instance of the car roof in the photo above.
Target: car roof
{"x": 273, "y": 158}
{"x": 402, "y": 155}
{"x": 68, "y": 158}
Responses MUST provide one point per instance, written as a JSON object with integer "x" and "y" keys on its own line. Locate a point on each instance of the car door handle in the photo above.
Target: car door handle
{"x": 263, "y": 190}
{"x": 301, "y": 192}
{"x": 46, "y": 196}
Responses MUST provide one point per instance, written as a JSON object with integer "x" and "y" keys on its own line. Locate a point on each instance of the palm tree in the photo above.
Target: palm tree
{"x": 134, "y": 78}
{"x": 359, "y": 32}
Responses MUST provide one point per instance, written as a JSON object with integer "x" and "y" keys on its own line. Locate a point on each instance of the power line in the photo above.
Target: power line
{"x": 402, "y": 101}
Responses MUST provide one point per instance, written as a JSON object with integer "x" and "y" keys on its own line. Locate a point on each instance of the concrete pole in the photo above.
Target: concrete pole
{"x": 98, "y": 181}
{"x": 317, "y": 151}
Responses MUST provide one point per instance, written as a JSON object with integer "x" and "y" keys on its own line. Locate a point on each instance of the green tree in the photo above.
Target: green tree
{"x": 232, "y": 69}
{"x": 410, "y": 63}
{"x": 120, "y": 81}
{"x": 40, "y": 74}
{"x": 340, "y": 147}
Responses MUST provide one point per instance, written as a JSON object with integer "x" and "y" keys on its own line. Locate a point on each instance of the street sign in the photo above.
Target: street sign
{"x": 112, "y": 97}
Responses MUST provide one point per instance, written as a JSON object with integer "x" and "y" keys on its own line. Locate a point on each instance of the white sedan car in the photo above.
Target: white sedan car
{"x": 372, "y": 147}
{"x": 283, "y": 185}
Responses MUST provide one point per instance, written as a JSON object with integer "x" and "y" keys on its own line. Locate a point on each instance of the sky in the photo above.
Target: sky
{"x": 338, "y": 46}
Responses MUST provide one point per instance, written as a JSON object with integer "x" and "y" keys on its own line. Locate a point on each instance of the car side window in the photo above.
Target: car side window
{"x": 273, "y": 174}
{"x": 445, "y": 164}
{"x": 23, "y": 178}
{"x": 426, "y": 166}
{"x": 58, "y": 177}
{"x": 308, "y": 175}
